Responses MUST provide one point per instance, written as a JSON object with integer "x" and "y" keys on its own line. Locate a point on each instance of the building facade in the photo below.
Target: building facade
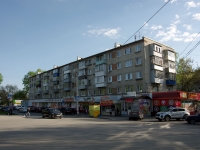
{"x": 142, "y": 66}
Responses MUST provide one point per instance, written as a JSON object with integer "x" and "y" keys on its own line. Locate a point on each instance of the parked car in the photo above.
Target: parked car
{"x": 39, "y": 109}
{"x": 193, "y": 119}
{"x": 136, "y": 114}
{"x": 5, "y": 108}
{"x": 173, "y": 113}
{"x": 51, "y": 113}
{"x": 32, "y": 108}
{"x": 18, "y": 106}
{"x": 70, "y": 111}
{"x": 22, "y": 109}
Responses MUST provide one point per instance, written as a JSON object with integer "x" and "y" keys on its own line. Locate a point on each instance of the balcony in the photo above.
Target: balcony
{"x": 45, "y": 84}
{"x": 55, "y": 78}
{"x": 154, "y": 53}
{"x": 99, "y": 62}
{"x": 45, "y": 76}
{"x": 83, "y": 66}
{"x": 56, "y": 90}
{"x": 67, "y": 88}
{"x": 82, "y": 87}
{"x": 156, "y": 67}
{"x": 38, "y": 79}
{"x": 46, "y": 91}
{"x": 100, "y": 84}
{"x": 56, "y": 75}
{"x": 156, "y": 80}
{"x": 170, "y": 70}
{"x": 67, "y": 80}
{"x": 170, "y": 82}
{"x": 100, "y": 73}
{"x": 38, "y": 91}
{"x": 67, "y": 71}
{"x": 55, "y": 82}
{"x": 38, "y": 84}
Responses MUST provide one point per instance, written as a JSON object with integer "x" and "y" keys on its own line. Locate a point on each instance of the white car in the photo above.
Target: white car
{"x": 174, "y": 113}
{"x": 22, "y": 109}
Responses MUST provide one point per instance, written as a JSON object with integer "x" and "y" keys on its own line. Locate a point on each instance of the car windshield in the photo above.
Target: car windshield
{"x": 166, "y": 110}
{"x": 55, "y": 110}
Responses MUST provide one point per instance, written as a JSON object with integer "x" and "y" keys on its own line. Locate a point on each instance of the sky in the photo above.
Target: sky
{"x": 43, "y": 33}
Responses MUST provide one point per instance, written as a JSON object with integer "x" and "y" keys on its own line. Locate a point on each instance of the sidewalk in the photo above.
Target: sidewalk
{"x": 114, "y": 118}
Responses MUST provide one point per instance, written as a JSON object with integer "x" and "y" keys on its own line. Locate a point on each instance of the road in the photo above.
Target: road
{"x": 84, "y": 133}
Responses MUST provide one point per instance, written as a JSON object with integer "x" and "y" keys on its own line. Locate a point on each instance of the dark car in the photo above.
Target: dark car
{"x": 136, "y": 114}
{"x": 70, "y": 111}
{"x": 32, "y": 108}
{"x": 193, "y": 119}
{"x": 51, "y": 113}
{"x": 5, "y": 108}
{"x": 39, "y": 109}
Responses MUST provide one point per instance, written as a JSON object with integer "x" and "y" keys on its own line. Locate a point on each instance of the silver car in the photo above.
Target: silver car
{"x": 173, "y": 113}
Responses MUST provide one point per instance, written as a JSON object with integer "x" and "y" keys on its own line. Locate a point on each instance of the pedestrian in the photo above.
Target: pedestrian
{"x": 117, "y": 111}
{"x": 28, "y": 112}
{"x": 110, "y": 111}
{"x": 86, "y": 111}
{"x": 10, "y": 111}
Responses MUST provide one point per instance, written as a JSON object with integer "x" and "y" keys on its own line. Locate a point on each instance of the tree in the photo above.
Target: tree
{"x": 1, "y": 78}
{"x": 20, "y": 95}
{"x": 5, "y": 90}
{"x": 26, "y": 79}
{"x": 187, "y": 76}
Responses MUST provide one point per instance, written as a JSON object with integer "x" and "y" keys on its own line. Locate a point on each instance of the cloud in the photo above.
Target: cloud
{"x": 188, "y": 27}
{"x": 111, "y": 33}
{"x": 172, "y": 1}
{"x": 154, "y": 27}
{"x": 192, "y": 4}
{"x": 177, "y": 16}
{"x": 196, "y": 16}
{"x": 172, "y": 33}
{"x": 177, "y": 21}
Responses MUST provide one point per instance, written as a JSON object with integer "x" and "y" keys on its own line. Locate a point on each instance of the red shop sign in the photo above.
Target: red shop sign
{"x": 129, "y": 100}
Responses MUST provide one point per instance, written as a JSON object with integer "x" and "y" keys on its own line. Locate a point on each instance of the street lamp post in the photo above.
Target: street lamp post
{"x": 77, "y": 94}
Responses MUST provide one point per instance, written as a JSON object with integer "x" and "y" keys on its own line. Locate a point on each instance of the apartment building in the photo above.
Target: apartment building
{"x": 142, "y": 66}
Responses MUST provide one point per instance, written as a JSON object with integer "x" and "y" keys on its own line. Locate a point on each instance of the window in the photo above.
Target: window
{"x": 100, "y": 79}
{"x": 119, "y": 90}
{"x": 119, "y": 65}
{"x": 129, "y": 88}
{"x": 127, "y": 51}
{"x": 118, "y": 53}
{"x": 128, "y": 63}
{"x": 129, "y": 76}
{"x": 109, "y": 67}
{"x": 101, "y": 91}
{"x": 138, "y": 75}
{"x": 158, "y": 49}
{"x": 110, "y": 79}
{"x": 157, "y": 60}
{"x": 89, "y": 93}
{"x": 119, "y": 77}
{"x": 83, "y": 93}
{"x": 99, "y": 67}
{"x": 109, "y": 91}
{"x": 89, "y": 71}
{"x": 137, "y": 48}
{"x": 139, "y": 88}
{"x": 109, "y": 55}
{"x": 89, "y": 62}
{"x": 138, "y": 61}
{"x": 81, "y": 72}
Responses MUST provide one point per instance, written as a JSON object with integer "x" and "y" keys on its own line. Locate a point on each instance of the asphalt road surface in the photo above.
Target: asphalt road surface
{"x": 84, "y": 133}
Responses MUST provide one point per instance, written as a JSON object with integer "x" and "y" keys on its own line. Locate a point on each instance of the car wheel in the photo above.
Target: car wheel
{"x": 185, "y": 117}
{"x": 167, "y": 118}
{"x": 192, "y": 121}
{"x": 60, "y": 117}
{"x": 159, "y": 119}
{"x": 42, "y": 116}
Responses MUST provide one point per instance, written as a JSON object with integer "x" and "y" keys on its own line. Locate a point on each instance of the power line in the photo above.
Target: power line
{"x": 147, "y": 21}
{"x": 189, "y": 44}
{"x": 192, "y": 50}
